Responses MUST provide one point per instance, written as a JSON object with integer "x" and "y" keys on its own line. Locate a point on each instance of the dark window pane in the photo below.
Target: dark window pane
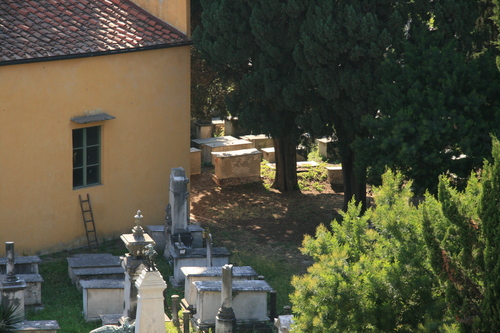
{"x": 93, "y": 135}
{"x": 93, "y": 155}
{"x": 78, "y": 138}
{"x": 93, "y": 175}
{"x": 77, "y": 177}
{"x": 77, "y": 158}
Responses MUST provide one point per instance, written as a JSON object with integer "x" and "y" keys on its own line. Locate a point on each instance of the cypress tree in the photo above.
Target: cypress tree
{"x": 252, "y": 43}
{"x": 438, "y": 96}
{"x": 341, "y": 49}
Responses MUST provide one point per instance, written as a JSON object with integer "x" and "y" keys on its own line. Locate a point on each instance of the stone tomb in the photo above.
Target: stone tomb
{"x": 26, "y": 268}
{"x": 102, "y": 297}
{"x": 237, "y": 167}
{"x": 23, "y": 265}
{"x": 335, "y": 176}
{"x": 323, "y": 144}
{"x": 209, "y": 148}
{"x": 269, "y": 155}
{"x": 196, "y": 257}
{"x": 204, "y": 129}
{"x": 195, "y": 161}
{"x": 198, "y": 143}
{"x": 37, "y": 326}
{"x": 193, "y": 274}
{"x": 249, "y": 302}
{"x": 94, "y": 266}
{"x": 259, "y": 141}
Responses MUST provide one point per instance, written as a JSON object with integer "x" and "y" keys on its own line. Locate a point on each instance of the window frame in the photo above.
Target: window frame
{"x": 87, "y": 164}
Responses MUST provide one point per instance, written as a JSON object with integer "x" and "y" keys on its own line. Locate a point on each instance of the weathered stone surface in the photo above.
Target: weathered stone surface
{"x": 102, "y": 297}
{"x": 197, "y": 257}
{"x": 335, "y": 176}
{"x": 249, "y": 302}
{"x": 244, "y": 163}
{"x": 150, "y": 310}
{"x": 38, "y": 326}
{"x": 259, "y": 141}
{"x": 23, "y": 265}
{"x": 195, "y": 161}
{"x": 198, "y": 143}
{"x": 208, "y": 149}
{"x": 213, "y": 273}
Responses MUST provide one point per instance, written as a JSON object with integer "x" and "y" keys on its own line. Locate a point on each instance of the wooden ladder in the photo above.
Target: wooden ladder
{"x": 88, "y": 221}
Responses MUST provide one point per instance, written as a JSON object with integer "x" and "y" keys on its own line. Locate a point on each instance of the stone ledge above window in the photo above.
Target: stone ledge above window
{"x": 92, "y": 118}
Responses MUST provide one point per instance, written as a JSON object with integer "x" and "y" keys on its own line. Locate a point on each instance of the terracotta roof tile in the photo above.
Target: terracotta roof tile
{"x": 38, "y": 30}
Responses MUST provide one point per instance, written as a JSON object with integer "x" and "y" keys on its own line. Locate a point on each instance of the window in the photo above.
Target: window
{"x": 86, "y": 156}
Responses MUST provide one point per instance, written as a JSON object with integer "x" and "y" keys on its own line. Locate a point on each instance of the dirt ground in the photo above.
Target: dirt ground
{"x": 251, "y": 218}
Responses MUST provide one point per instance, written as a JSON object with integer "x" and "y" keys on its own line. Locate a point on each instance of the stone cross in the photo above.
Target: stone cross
{"x": 225, "y": 319}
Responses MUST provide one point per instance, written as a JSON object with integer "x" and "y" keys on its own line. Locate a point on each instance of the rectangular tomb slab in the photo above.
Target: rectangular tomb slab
{"x": 102, "y": 297}
{"x": 208, "y": 149}
{"x": 38, "y": 326}
{"x": 259, "y": 141}
{"x": 239, "y": 166}
{"x": 94, "y": 266}
{"x": 33, "y": 291}
{"x": 268, "y": 154}
{"x": 195, "y": 161}
{"x": 197, "y": 257}
{"x": 23, "y": 264}
{"x": 212, "y": 273}
{"x": 249, "y": 301}
{"x": 198, "y": 143}
{"x": 335, "y": 176}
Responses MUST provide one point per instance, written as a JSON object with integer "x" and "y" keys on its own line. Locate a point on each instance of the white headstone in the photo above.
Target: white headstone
{"x": 150, "y": 313}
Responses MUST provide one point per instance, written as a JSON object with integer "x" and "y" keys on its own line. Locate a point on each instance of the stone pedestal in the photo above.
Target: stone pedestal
{"x": 150, "y": 314}
{"x": 12, "y": 288}
{"x": 133, "y": 263}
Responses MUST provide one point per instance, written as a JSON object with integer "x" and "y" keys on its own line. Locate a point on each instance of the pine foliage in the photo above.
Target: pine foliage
{"x": 373, "y": 279}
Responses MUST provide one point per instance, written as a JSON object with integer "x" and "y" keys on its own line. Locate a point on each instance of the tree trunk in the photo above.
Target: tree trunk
{"x": 353, "y": 185}
{"x": 285, "y": 150}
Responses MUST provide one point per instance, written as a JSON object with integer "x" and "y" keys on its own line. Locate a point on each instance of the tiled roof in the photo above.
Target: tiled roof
{"x": 39, "y": 30}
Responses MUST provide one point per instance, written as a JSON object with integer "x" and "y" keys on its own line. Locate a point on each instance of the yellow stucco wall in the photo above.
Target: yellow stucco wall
{"x": 147, "y": 92}
{"x": 175, "y": 12}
